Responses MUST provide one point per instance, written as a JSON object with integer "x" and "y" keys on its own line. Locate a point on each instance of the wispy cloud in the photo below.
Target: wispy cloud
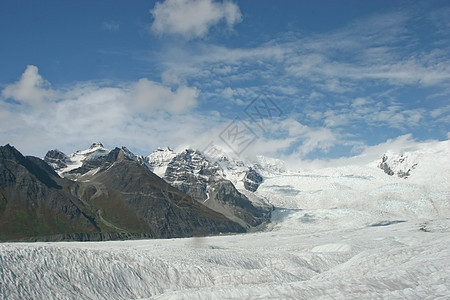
{"x": 316, "y": 78}
{"x": 112, "y": 26}
{"x": 151, "y": 96}
{"x": 379, "y": 48}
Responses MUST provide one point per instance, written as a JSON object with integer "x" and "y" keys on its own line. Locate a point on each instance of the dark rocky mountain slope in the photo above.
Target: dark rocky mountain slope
{"x": 189, "y": 171}
{"x": 122, "y": 199}
{"x": 34, "y": 200}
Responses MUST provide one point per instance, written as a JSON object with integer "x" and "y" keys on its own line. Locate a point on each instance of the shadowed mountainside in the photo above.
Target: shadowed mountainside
{"x": 122, "y": 200}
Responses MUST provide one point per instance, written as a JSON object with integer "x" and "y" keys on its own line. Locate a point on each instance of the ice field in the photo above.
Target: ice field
{"x": 407, "y": 260}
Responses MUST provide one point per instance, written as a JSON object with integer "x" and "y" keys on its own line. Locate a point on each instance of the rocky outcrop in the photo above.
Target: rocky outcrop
{"x": 56, "y": 159}
{"x": 385, "y": 166}
{"x": 399, "y": 165}
{"x": 252, "y": 180}
{"x": 192, "y": 173}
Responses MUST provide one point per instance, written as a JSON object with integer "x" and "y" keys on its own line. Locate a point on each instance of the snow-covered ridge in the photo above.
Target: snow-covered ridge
{"x": 356, "y": 195}
{"x": 225, "y": 165}
{"x": 64, "y": 164}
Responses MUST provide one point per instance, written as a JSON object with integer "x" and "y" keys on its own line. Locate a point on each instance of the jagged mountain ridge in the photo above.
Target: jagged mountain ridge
{"x": 189, "y": 171}
{"x": 204, "y": 180}
{"x": 119, "y": 199}
{"x": 213, "y": 176}
{"x": 78, "y": 163}
{"x": 159, "y": 159}
{"x": 164, "y": 210}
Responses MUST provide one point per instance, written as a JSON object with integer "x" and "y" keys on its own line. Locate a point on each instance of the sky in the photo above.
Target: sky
{"x": 297, "y": 80}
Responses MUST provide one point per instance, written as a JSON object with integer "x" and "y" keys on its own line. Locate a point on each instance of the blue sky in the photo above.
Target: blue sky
{"x": 342, "y": 76}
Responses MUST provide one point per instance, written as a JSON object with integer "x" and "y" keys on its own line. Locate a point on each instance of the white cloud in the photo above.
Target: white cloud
{"x": 151, "y": 96}
{"x": 309, "y": 139}
{"x": 170, "y": 78}
{"x": 142, "y": 115}
{"x": 192, "y": 18}
{"x": 228, "y": 92}
{"x": 359, "y": 102}
{"x": 322, "y": 139}
{"x": 31, "y": 88}
{"x": 361, "y": 76}
{"x": 438, "y": 112}
{"x": 368, "y": 154}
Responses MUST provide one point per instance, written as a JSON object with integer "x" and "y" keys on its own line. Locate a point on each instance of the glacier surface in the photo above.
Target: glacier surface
{"x": 407, "y": 260}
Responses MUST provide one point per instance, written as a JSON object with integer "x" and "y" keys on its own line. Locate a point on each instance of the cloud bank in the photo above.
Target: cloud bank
{"x": 138, "y": 114}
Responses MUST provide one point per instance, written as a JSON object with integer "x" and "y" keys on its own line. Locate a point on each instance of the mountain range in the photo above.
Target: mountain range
{"x": 101, "y": 194}
{"x": 109, "y": 196}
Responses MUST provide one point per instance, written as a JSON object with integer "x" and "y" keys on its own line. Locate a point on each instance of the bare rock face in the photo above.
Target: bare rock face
{"x": 252, "y": 180}
{"x": 192, "y": 173}
{"x": 56, "y": 159}
{"x": 399, "y": 165}
{"x": 385, "y": 166}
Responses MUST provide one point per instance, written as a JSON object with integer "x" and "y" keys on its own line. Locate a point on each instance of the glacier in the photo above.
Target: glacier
{"x": 398, "y": 261}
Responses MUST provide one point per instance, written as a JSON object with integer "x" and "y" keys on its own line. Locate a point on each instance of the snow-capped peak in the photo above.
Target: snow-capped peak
{"x": 159, "y": 159}
{"x": 130, "y": 155}
{"x": 268, "y": 166}
{"x": 164, "y": 149}
{"x": 76, "y": 160}
{"x": 96, "y": 149}
{"x": 56, "y": 159}
{"x": 96, "y": 145}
